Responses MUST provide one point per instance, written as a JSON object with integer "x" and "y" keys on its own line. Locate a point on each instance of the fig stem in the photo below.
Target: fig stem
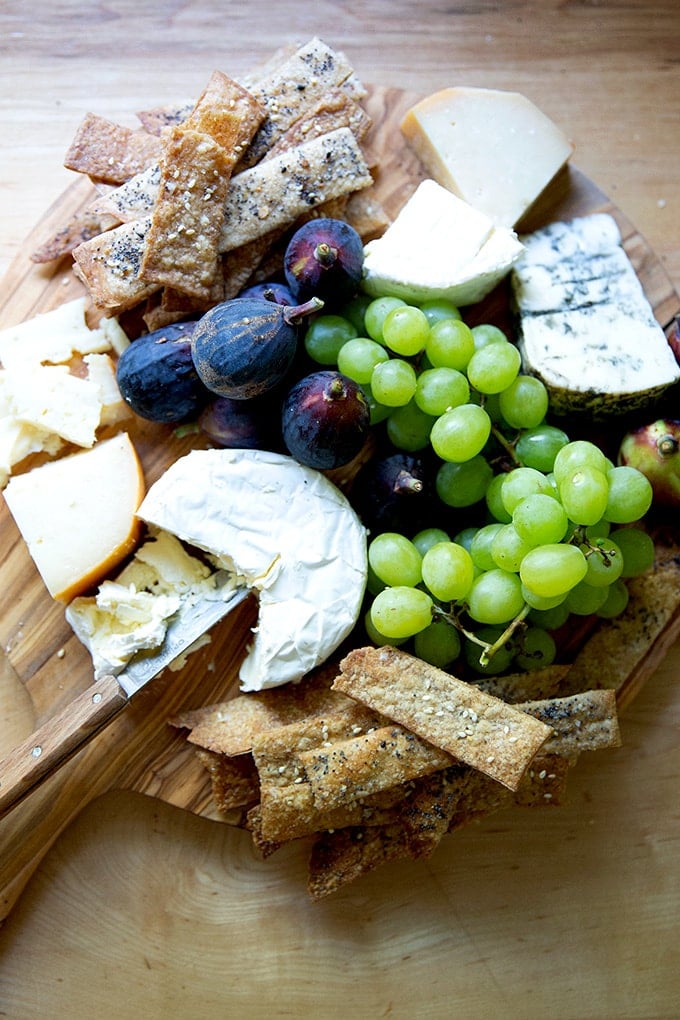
{"x": 667, "y": 445}
{"x": 324, "y": 254}
{"x": 406, "y": 482}
{"x": 292, "y": 313}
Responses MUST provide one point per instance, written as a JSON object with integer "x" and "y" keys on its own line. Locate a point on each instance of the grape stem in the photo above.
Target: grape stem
{"x": 505, "y": 443}
{"x": 489, "y": 649}
{"x": 580, "y": 538}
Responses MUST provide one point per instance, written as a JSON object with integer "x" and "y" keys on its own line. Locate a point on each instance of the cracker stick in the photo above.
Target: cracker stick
{"x": 110, "y": 152}
{"x": 470, "y": 725}
{"x": 586, "y": 721}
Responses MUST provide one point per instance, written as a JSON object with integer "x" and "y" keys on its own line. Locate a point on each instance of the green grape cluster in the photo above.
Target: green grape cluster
{"x": 558, "y": 535}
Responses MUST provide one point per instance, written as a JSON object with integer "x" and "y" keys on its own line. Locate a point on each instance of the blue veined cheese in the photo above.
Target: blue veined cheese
{"x": 585, "y": 325}
{"x": 439, "y": 247}
{"x": 285, "y": 531}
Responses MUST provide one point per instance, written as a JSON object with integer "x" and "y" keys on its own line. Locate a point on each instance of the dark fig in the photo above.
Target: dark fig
{"x": 244, "y": 347}
{"x": 325, "y": 420}
{"x": 157, "y": 378}
{"x": 324, "y": 257}
{"x": 240, "y": 424}
{"x": 393, "y": 493}
{"x": 279, "y": 293}
{"x": 654, "y": 450}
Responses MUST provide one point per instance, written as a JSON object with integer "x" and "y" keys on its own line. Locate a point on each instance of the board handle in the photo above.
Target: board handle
{"x": 50, "y": 746}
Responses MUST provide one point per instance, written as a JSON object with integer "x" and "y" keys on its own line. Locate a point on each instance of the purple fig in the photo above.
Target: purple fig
{"x": 325, "y": 420}
{"x": 655, "y": 451}
{"x": 324, "y": 258}
{"x": 279, "y": 293}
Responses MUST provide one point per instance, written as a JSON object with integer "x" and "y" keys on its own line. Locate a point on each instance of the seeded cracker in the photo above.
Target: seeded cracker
{"x": 110, "y": 152}
{"x": 472, "y": 726}
{"x": 581, "y": 722}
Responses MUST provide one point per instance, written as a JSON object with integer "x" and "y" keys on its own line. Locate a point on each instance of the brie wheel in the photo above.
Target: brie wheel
{"x": 284, "y": 530}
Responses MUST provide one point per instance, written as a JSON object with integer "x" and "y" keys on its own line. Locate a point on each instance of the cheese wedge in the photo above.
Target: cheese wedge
{"x": 496, "y": 150}
{"x": 77, "y": 514}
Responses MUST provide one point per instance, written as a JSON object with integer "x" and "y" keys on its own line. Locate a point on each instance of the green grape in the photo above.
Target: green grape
{"x": 461, "y": 433}
{"x": 543, "y": 603}
{"x": 537, "y": 649}
{"x": 494, "y": 500}
{"x": 637, "y": 549}
{"x": 576, "y": 454}
{"x": 428, "y": 537}
{"x": 374, "y": 635}
{"x": 393, "y": 382}
{"x": 450, "y": 345}
{"x": 537, "y": 447}
{"x": 480, "y": 546}
{"x": 495, "y": 597}
{"x": 551, "y": 619}
{"x": 500, "y": 661}
{"x": 439, "y": 644}
{"x": 630, "y": 495}
{"x": 395, "y": 560}
{"x": 585, "y": 599}
{"x": 373, "y": 583}
{"x": 490, "y": 403}
{"x": 440, "y": 389}
{"x": 616, "y": 601}
{"x": 438, "y": 309}
{"x": 448, "y": 571}
{"x": 460, "y": 485}
{"x": 553, "y": 569}
{"x": 408, "y": 428}
{"x": 354, "y": 310}
{"x": 605, "y": 564}
{"x": 486, "y": 333}
{"x": 406, "y": 330}
{"x": 375, "y": 313}
{"x": 378, "y": 412}
{"x": 509, "y": 548}
{"x": 358, "y": 357}
{"x": 401, "y": 612}
{"x": 494, "y": 367}
{"x": 326, "y": 336}
{"x": 465, "y": 536}
{"x": 539, "y": 519}
{"x": 524, "y": 402}
{"x": 520, "y": 483}
{"x": 584, "y": 494}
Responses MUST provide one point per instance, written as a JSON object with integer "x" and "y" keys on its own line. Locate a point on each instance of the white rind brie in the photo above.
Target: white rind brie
{"x": 284, "y": 530}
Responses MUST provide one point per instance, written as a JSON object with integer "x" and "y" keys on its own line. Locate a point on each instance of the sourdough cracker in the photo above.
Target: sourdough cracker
{"x": 587, "y": 721}
{"x": 470, "y": 725}
{"x": 110, "y": 152}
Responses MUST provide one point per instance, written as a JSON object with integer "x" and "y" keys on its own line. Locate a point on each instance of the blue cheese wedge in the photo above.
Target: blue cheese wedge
{"x": 439, "y": 247}
{"x": 585, "y": 326}
{"x": 285, "y": 531}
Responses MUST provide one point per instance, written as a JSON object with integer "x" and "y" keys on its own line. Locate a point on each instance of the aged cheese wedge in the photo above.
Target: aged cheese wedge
{"x": 77, "y": 514}
{"x": 284, "y": 530}
{"x": 494, "y": 149}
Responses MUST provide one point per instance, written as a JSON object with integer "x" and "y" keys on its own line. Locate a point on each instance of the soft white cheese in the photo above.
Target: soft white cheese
{"x": 439, "y": 247}
{"x": 284, "y": 530}
{"x": 586, "y": 327}
{"x": 131, "y": 613}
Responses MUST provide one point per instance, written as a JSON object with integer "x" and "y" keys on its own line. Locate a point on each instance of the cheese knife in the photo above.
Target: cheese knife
{"x": 56, "y": 741}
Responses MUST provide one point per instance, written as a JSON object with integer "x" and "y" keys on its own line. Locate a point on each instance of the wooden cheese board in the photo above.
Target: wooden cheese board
{"x": 45, "y": 662}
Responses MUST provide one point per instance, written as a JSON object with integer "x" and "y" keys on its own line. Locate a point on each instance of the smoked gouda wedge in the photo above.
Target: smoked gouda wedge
{"x": 77, "y": 514}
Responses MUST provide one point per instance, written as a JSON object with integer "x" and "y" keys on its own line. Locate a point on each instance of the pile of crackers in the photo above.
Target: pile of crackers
{"x": 199, "y": 201}
{"x": 378, "y": 757}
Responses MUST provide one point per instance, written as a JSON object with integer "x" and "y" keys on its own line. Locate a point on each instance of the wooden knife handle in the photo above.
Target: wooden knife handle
{"x": 57, "y": 740}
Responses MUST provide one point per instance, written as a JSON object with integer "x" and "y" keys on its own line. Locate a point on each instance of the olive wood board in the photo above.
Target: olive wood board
{"x": 44, "y": 662}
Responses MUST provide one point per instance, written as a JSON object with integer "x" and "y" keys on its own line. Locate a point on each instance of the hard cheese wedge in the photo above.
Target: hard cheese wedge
{"x": 496, "y": 150}
{"x": 77, "y": 514}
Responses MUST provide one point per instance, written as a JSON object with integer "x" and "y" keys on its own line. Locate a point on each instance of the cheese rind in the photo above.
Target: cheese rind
{"x": 492, "y": 148}
{"x": 585, "y": 325}
{"x": 284, "y": 530}
{"x": 77, "y": 514}
{"x": 439, "y": 247}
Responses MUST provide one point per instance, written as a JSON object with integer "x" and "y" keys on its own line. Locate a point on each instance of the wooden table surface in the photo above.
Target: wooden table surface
{"x": 141, "y": 909}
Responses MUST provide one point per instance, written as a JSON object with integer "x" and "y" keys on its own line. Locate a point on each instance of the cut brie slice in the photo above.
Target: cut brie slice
{"x": 284, "y": 530}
